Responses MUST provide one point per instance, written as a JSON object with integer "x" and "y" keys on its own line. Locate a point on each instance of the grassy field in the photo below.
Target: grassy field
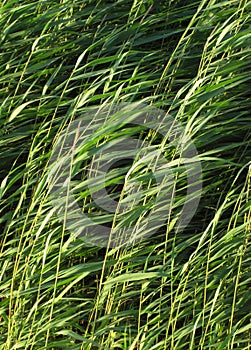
{"x": 174, "y": 289}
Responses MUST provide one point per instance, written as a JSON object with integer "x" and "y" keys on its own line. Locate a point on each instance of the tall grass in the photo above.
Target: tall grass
{"x": 187, "y": 290}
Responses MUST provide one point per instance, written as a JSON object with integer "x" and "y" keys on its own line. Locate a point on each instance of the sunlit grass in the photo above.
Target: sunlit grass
{"x": 185, "y": 290}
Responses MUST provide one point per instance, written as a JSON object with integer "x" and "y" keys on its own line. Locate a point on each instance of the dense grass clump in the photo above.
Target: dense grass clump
{"x": 186, "y": 289}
